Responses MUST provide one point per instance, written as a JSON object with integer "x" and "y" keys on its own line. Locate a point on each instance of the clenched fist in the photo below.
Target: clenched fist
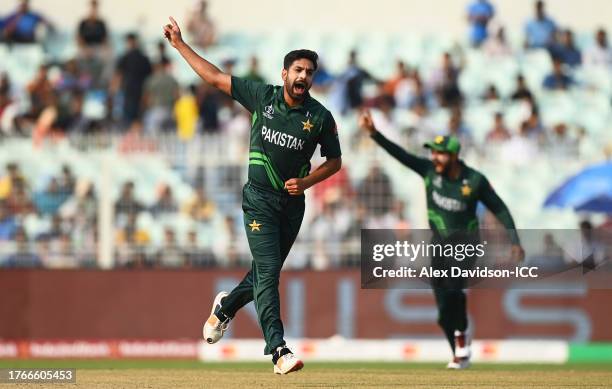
{"x": 296, "y": 186}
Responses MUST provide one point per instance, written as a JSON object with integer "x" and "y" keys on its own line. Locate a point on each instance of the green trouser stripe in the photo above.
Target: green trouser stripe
{"x": 275, "y": 184}
{"x": 258, "y": 155}
{"x": 437, "y": 221}
{"x": 590, "y": 352}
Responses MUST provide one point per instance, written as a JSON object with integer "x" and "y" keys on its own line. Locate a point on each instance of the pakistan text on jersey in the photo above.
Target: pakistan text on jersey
{"x": 447, "y": 203}
{"x": 282, "y": 139}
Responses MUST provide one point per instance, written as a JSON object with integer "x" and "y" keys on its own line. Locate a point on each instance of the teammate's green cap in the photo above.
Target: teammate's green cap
{"x": 446, "y": 144}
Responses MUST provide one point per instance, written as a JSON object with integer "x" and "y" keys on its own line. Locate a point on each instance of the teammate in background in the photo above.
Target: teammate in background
{"x": 287, "y": 126}
{"x": 453, "y": 192}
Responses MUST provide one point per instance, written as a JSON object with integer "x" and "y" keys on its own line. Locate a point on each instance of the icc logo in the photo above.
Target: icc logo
{"x": 268, "y": 111}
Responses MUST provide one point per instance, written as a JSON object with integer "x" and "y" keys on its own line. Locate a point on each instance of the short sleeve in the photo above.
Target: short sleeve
{"x": 247, "y": 92}
{"x": 328, "y": 138}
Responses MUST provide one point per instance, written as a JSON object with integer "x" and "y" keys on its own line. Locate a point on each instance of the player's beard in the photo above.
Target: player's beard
{"x": 442, "y": 168}
{"x": 297, "y": 92}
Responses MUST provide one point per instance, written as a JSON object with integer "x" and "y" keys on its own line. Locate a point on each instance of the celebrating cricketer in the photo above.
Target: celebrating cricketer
{"x": 453, "y": 192}
{"x": 287, "y": 125}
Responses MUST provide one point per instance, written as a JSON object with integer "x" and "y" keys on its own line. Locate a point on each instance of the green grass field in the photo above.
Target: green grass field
{"x": 191, "y": 374}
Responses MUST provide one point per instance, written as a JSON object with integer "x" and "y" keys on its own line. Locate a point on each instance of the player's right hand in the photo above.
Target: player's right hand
{"x": 172, "y": 32}
{"x": 365, "y": 122}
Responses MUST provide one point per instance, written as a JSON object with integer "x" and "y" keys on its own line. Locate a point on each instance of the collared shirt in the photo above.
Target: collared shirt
{"x": 283, "y": 139}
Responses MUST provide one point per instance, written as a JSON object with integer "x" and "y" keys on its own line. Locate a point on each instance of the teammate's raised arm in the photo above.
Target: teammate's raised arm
{"x": 419, "y": 165}
{"x": 207, "y": 71}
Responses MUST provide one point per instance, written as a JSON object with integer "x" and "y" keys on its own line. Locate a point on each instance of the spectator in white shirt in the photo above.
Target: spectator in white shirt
{"x": 599, "y": 54}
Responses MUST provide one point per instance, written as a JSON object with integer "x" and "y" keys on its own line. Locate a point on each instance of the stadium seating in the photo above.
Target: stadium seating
{"x": 523, "y": 182}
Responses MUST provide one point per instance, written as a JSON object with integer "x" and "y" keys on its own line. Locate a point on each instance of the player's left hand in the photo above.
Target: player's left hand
{"x": 295, "y": 186}
{"x": 517, "y": 253}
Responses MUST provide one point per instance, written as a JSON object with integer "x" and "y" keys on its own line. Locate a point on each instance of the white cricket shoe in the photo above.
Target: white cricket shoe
{"x": 462, "y": 345}
{"x": 286, "y": 361}
{"x": 459, "y": 363}
{"x": 214, "y": 328}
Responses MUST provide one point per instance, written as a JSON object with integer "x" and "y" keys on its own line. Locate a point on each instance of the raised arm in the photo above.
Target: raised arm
{"x": 207, "y": 71}
{"x": 419, "y": 165}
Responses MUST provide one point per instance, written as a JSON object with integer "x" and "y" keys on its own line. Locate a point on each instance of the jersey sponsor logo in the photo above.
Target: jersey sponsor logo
{"x": 269, "y": 111}
{"x": 447, "y": 203}
{"x": 282, "y": 139}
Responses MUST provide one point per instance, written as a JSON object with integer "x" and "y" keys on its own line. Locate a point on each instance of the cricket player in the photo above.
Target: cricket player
{"x": 453, "y": 192}
{"x": 287, "y": 126}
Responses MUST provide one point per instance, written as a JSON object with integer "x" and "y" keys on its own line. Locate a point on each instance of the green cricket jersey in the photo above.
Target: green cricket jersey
{"x": 451, "y": 203}
{"x": 283, "y": 138}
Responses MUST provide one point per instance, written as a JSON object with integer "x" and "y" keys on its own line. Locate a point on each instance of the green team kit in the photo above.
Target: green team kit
{"x": 451, "y": 203}
{"x": 451, "y": 211}
{"x": 282, "y": 142}
{"x": 287, "y": 127}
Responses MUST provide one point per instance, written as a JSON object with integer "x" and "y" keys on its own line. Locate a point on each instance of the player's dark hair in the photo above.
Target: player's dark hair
{"x": 294, "y": 55}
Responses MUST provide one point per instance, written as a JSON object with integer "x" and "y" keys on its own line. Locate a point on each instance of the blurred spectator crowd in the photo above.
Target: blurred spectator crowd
{"x": 135, "y": 96}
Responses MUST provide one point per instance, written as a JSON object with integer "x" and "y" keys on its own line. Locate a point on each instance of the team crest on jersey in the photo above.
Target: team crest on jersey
{"x": 307, "y": 125}
{"x": 269, "y": 111}
{"x": 465, "y": 189}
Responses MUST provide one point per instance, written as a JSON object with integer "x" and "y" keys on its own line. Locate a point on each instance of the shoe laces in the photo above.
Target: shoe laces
{"x": 221, "y": 325}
